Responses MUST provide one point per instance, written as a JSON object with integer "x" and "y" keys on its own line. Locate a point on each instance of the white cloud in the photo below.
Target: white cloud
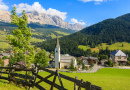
{"x": 80, "y": 20}
{"x": 74, "y": 21}
{"x": 37, "y": 7}
{"x": 3, "y": 6}
{"x": 95, "y": 1}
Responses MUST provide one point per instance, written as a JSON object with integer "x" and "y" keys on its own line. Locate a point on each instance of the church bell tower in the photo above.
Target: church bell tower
{"x": 57, "y": 54}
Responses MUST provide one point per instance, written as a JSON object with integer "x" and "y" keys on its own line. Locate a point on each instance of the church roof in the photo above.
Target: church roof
{"x": 118, "y": 53}
{"x": 64, "y": 58}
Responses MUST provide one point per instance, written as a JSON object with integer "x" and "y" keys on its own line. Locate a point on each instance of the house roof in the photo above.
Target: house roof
{"x": 93, "y": 58}
{"x": 66, "y": 58}
{"x": 20, "y": 63}
{"x": 5, "y": 54}
{"x": 6, "y": 62}
{"x": 118, "y": 53}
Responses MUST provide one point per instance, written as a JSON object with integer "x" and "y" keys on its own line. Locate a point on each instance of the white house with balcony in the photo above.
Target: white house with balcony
{"x": 118, "y": 56}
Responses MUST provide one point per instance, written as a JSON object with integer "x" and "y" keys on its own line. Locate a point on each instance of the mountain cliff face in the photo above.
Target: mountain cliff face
{"x": 4, "y": 16}
{"x": 35, "y": 17}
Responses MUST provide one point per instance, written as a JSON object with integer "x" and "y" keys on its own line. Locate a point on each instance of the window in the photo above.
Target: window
{"x": 119, "y": 57}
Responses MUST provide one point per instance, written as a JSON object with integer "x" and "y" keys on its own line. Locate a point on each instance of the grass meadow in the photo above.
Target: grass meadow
{"x": 118, "y": 45}
{"x": 107, "y": 78}
{"x": 36, "y": 40}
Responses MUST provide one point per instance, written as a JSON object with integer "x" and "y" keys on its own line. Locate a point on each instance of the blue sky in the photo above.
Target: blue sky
{"x": 85, "y": 12}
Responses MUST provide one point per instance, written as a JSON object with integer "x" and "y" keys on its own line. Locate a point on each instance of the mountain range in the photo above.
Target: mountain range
{"x": 108, "y": 31}
{"x": 41, "y": 18}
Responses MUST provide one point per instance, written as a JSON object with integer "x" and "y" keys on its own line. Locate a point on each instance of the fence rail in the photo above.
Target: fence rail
{"x": 27, "y": 80}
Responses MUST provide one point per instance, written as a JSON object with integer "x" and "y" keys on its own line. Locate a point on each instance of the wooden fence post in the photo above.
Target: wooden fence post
{"x": 80, "y": 84}
{"x": 60, "y": 80}
{"x": 26, "y": 80}
{"x": 75, "y": 85}
{"x": 37, "y": 70}
{"x": 88, "y": 86}
{"x": 9, "y": 74}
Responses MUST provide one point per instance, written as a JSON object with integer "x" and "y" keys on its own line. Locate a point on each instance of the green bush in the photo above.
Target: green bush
{"x": 128, "y": 63}
{"x": 110, "y": 63}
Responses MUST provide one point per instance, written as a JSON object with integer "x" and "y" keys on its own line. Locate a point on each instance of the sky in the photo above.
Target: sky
{"x": 85, "y": 12}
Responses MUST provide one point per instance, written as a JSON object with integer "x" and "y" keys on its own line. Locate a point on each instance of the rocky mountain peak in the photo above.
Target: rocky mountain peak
{"x": 36, "y": 17}
{"x": 5, "y": 16}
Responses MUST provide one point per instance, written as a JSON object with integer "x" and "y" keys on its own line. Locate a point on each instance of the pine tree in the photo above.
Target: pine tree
{"x": 122, "y": 45}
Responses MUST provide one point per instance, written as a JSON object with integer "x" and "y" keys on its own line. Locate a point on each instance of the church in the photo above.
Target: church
{"x": 61, "y": 61}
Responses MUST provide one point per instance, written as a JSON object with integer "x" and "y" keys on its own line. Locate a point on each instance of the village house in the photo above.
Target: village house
{"x": 4, "y": 54}
{"x": 6, "y": 62}
{"x": 104, "y": 61}
{"x": 61, "y": 61}
{"x": 87, "y": 60}
{"x": 118, "y": 57}
{"x": 20, "y": 64}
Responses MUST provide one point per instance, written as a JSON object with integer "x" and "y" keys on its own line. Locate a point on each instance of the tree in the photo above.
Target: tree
{"x": 41, "y": 58}
{"x": 103, "y": 57}
{"x": 128, "y": 63}
{"x": 80, "y": 62}
{"x": 11, "y": 60}
{"x": 110, "y": 63}
{"x": 91, "y": 63}
{"x": 83, "y": 66}
{"x": 72, "y": 65}
{"x": 122, "y": 45}
{"x": 21, "y": 35}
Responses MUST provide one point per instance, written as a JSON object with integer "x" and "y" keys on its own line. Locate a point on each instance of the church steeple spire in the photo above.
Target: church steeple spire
{"x": 57, "y": 41}
{"x": 57, "y": 54}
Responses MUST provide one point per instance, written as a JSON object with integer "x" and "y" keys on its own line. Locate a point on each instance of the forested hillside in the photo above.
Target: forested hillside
{"x": 108, "y": 31}
{"x": 38, "y": 31}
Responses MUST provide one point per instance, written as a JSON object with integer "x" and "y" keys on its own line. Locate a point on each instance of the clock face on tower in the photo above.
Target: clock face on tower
{"x": 56, "y": 51}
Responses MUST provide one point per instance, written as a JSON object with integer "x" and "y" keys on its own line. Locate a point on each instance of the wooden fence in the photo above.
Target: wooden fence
{"x": 30, "y": 81}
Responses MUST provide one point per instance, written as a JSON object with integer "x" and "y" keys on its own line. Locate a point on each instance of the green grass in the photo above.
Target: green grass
{"x": 107, "y": 78}
{"x": 114, "y": 46}
{"x": 119, "y": 46}
{"x": 84, "y": 47}
{"x": 36, "y": 40}
{"x": 4, "y": 45}
{"x": 62, "y": 33}
{"x": 2, "y": 38}
{"x": 2, "y": 32}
